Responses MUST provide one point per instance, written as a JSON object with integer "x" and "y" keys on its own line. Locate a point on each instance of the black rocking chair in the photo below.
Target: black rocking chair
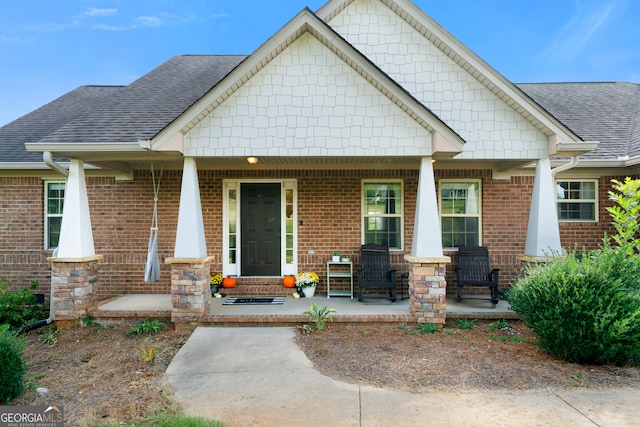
{"x": 473, "y": 270}
{"x": 375, "y": 272}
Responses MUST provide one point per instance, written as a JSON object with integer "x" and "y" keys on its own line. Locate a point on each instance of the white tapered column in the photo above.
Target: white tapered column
{"x": 543, "y": 232}
{"x": 190, "y": 238}
{"x": 427, "y": 239}
{"x": 76, "y": 237}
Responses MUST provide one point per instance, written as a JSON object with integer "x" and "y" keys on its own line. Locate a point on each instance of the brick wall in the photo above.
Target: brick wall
{"x": 21, "y": 232}
{"x": 328, "y": 220}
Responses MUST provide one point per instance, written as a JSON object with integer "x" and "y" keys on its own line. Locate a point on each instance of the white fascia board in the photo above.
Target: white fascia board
{"x": 119, "y": 147}
{"x": 304, "y": 22}
{"x": 573, "y": 148}
{"x": 24, "y": 166}
{"x": 613, "y": 163}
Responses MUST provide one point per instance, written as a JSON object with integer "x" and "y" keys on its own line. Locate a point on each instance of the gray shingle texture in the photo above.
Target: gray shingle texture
{"x": 146, "y": 106}
{"x": 38, "y": 124}
{"x": 606, "y": 112}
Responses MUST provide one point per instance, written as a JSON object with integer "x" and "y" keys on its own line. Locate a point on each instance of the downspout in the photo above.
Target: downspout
{"x": 48, "y": 160}
{"x": 572, "y": 164}
{"x": 39, "y": 323}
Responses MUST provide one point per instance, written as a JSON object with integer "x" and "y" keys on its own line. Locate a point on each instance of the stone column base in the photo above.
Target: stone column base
{"x": 190, "y": 292}
{"x": 428, "y": 289}
{"x": 73, "y": 281}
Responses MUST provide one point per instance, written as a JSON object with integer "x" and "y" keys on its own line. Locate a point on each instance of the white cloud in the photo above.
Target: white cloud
{"x": 106, "y": 27}
{"x": 589, "y": 17}
{"x": 92, "y": 12}
{"x": 9, "y": 40}
{"x": 148, "y": 21}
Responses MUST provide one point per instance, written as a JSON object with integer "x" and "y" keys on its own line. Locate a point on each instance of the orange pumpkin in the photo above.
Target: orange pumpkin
{"x": 229, "y": 282}
{"x": 289, "y": 281}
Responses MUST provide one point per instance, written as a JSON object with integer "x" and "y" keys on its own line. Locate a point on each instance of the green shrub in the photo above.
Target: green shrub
{"x": 584, "y": 308}
{"x": 626, "y": 214}
{"x": 19, "y": 308}
{"x": 13, "y": 365}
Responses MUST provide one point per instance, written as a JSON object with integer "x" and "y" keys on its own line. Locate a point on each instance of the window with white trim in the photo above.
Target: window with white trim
{"x": 577, "y": 200}
{"x": 460, "y": 213}
{"x": 54, "y": 202}
{"x": 383, "y": 212}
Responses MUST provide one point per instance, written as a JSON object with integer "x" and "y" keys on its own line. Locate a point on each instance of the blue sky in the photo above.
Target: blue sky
{"x": 48, "y": 48}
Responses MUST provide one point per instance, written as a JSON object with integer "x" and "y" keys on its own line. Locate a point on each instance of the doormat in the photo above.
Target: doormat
{"x": 254, "y": 300}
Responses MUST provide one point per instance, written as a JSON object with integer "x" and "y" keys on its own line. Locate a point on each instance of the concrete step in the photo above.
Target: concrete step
{"x": 263, "y": 286}
{"x": 275, "y": 290}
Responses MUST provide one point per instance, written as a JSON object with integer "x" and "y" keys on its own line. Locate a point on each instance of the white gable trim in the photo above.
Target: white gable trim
{"x": 554, "y": 130}
{"x": 306, "y": 22}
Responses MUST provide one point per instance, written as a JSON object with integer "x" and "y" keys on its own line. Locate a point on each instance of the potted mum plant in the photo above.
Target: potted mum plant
{"x": 215, "y": 281}
{"x": 307, "y": 282}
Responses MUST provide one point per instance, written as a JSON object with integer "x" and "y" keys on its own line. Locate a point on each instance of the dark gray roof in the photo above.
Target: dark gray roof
{"x": 605, "y": 112}
{"x": 146, "y": 106}
{"x": 46, "y": 119}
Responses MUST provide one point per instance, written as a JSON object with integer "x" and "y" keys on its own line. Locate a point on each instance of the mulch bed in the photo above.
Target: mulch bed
{"x": 453, "y": 360}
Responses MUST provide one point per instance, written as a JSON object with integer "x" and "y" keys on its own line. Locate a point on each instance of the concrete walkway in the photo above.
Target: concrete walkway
{"x": 259, "y": 377}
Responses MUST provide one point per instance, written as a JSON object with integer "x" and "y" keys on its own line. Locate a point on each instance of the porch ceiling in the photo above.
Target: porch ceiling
{"x": 302, "y": 163}
{"x": 264, "y": 163}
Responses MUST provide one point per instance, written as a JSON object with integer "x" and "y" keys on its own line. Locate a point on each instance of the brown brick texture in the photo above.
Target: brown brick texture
{"x": 329, "y": 212}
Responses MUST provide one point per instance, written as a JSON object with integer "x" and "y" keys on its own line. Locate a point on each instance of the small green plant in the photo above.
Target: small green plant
{"x": 505, "y": 338}
{"x": 449, "y": 331}
{"x": 426, "y": 328}
{"x": 147, "y": 327}
{"x": 366, "y": 333}
{"x": 501, "y": 325}
{"x": 19, "y": 308}
{"x": 14, "y": 368}
{"x": 148, "y": 355}
{"x": 319, "y": 316}
{"x": 50, "y": 337}
{"x": 578, "y": 380}
{"x": 32, "y": 382}
{"x": 89, "y": 321}
{"x": 465, "y": 324}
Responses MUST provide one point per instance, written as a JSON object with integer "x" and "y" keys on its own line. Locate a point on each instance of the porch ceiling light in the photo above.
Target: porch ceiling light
{"x": 252, "y": 160}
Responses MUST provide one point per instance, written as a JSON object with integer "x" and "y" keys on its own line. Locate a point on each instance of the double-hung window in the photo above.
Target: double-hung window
{"x": 54, "y": 201}
{"x": 382, "y": 212}
{"x": 460, "y": 213}
{"x": 577, "y": 200}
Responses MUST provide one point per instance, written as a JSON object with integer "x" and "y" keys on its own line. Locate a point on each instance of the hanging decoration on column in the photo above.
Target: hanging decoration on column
{"x": 152, "y": 269}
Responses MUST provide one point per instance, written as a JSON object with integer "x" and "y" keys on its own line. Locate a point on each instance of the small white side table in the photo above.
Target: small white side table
{"x": 339, "y": 270}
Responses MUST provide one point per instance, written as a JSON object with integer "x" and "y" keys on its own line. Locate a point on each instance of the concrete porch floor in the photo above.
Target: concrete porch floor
{"x": 131, "y": 308}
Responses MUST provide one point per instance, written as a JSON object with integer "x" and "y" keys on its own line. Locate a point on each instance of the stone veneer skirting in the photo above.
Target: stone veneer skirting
{"x": 73, "y": 281}
{"x": 190, "y": 292}
{"x": 428, "y": 289}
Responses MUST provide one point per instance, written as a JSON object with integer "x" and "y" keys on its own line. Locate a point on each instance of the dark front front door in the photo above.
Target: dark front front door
{"x": 260, "y": 229}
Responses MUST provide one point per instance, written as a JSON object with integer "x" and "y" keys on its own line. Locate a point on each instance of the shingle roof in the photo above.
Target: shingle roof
{"x": 146, "y": 106}
{"x": 36, "y": 125}
{"x": 605, "y": 112}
